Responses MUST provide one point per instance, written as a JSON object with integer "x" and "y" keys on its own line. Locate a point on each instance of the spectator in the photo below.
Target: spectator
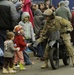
{"x": 8, "y": 19}
{"x": 72, "y": 21}
{"x": 36, "y": 10}
{"x": 63, "y": 11}
{"x": 19, "y": 42}
{"x": 9, "y": 53}
{"x": 27, "y": 8}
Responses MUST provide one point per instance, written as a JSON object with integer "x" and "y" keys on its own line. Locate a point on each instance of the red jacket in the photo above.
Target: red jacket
{"x": 20, "y": 42}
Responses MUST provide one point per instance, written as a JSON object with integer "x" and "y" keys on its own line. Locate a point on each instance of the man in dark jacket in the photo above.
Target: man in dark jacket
{"x": 8, "y": 19}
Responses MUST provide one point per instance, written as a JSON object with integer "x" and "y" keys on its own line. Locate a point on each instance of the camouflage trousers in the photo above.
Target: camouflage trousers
{"x": 68, "y": 44}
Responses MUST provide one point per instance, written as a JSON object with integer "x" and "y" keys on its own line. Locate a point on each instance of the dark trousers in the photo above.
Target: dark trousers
{"x": 8, "y": 62}
{"x": 2, "y": 39}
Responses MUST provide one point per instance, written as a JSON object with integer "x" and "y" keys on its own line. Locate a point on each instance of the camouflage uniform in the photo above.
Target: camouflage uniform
{"x": 58, "y": 23}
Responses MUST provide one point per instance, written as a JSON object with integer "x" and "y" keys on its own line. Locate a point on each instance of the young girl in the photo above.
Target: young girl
{"x": 9, "y": 53}
{"x": 19, "y": 42}
{"x": 27, "y": 27}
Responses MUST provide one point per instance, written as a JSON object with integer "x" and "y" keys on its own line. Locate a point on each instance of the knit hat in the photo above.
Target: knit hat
{"x": 25, "y": 14}
{"x": 17, "y": 28}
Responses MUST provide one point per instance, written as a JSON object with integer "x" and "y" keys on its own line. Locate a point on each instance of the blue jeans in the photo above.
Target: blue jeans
{"x": 26, "y": 58}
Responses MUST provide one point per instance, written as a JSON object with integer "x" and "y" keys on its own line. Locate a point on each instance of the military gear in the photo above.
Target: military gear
{"x": 47, "y": 12}
{"x": 62, "y": 25}
{"x": 45, "y": 65}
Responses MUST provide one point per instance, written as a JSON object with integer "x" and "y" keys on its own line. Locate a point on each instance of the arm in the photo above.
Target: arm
{"x": 12, "y": 46}
{"x": 66, "y": 25}
{"x": 14, "y": 14}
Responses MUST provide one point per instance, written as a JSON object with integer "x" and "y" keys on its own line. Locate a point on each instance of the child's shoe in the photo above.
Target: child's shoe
{"x": 5, "y": 70}
{"x": 14, "y": 67}
{"x": 11, "y": 70}
{"x": 22, "y": 66}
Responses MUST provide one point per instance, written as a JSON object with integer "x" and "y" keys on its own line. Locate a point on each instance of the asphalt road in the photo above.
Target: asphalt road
{"x": 36, "y": 70}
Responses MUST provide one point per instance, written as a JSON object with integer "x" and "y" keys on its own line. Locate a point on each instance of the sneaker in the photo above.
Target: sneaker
{"x": 5, "y": 71}
{"x": 11, "y": 70}
{"x": 17, "y": 66}
{"x": 22, "y": 66}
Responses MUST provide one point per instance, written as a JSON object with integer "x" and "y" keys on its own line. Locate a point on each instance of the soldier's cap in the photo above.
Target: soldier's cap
{"x": 47, "y": 12}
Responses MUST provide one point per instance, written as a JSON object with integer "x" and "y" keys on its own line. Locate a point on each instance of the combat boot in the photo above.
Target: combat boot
{"x": 72, "y": 60}
{"x": 45, "y": 65}
{"x": 22, "y": 66}
{"x": 5, "y": 71}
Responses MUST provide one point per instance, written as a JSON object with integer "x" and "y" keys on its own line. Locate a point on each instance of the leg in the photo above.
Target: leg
{"x": 11, "y": 66}
{"x": 46, "y": 54}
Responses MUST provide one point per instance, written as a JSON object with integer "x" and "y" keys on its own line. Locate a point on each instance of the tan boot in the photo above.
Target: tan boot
{"x": 72, "y": 60}
{"x": 45, "y": 65}
{"x": 11, "y": 70}
{"x": 5, "y": 71}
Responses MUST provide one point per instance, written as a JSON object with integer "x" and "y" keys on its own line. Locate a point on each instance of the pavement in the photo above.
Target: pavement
{"x": 36, "y": 70}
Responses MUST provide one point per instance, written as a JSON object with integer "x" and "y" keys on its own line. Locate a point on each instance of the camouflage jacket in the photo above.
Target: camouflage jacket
{"x": 58, "y": 23}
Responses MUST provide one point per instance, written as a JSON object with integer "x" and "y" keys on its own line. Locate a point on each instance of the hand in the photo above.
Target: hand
{"x": 28, "y": 44}
{"x": 68, "y": 32}
{"x": 35, "y": 44}
{"x": 18, "y": 48}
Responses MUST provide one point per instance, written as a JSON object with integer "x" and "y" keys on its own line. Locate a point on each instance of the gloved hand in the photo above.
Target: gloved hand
{"x": 35, "y": 44}
{"x": 68, "y": 32}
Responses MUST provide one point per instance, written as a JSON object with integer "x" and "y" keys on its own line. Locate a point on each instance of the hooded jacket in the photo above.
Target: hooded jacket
{"x": 8, "y": 15}
{"x": 27, "y": 27}
{"x": 27, "y": 8}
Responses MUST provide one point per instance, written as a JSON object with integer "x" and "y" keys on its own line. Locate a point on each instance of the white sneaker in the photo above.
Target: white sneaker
{"x": 5, "y": 71}
{"x": 17, "y": 66}
{"x": 11, "y": 70}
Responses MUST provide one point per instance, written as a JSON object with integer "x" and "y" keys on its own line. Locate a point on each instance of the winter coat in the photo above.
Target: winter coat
{"x": 28, "y": 30}
{"x": 62, "y": 11}
{"x": 20, "y": 42}
{"x": 8, "y": 15}
{"x": 9, "y": 48}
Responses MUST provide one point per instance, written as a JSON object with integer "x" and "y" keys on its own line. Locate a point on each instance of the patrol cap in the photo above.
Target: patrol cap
{"x": 47, "y": 12}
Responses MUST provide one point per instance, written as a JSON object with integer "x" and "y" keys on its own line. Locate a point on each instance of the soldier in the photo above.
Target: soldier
{"x": 54, "y": 23}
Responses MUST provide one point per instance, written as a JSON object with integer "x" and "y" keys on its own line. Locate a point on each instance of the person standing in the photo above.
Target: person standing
{"x": 8, "y": 19}
{"x": 19, "y": 41}
{"x": 27, "y": 8}
{"x": 62, "y": 11}
{"x": 9, "y": 53}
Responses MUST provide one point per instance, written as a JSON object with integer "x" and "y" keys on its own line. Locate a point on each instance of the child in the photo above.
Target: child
{"x": 9, "y": 53}
{"x": 19, "y": 42}
{"x": 27, "y": 27}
